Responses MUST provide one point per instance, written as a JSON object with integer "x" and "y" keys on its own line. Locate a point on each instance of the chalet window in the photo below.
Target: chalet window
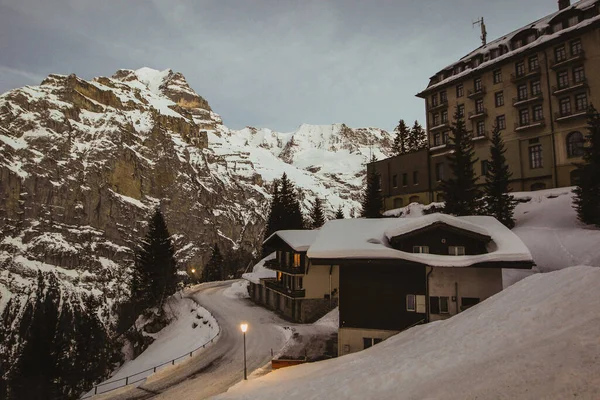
{"x": 534, "y": 63}
{"x": 479, "y": 106}
{"x": 497, "y": 76}
{"x": 411, "y": 302}
{"x": 535, "y": 156}
{"x": 438, "y": 305}
{"x": 456, "y": 250}
{"x": 524, "y": 117}
{"x": 501, "y": 122}
{"x": 520, "y": 68}
{"x": 404, "y": 179}
{"x": 477, "y": 85}
{"x": 581, "y": 102}
{"x": 480, "y": 129}
{"x": 395, "y": 180}
{"x": 460, "y": 90}
{"x": 296, "y": 260}
{"x": 421, "y": 249}
{"x": 576, "y": 48}
{"x": 538, "y": 113}
{"x": 562, "y": 79}
{"x": 499, "y": 98}
{"x": 444, "y": 116}
{"x": 522, "y": 92}
{"x": 467, "y": 302}
{"x": 536, "y": 88}
{"x": 565, "y": 106}
{"x": 443, "y": 97}
{"x": 575, "y": 144}
{"x": 560, "y": 54}
{"x": 279, "y": 276}
{"x": 434, "y": 100}
{"x": 578, "y": 74}
{"x": 439, "y": 172}
{"x": 461, "y": 110}
{"x": 415, "y": 177}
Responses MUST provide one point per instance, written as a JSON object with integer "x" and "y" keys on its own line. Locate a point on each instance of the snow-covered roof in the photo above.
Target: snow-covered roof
{"x": 368, "y": 239}
{"x": 260, "y": 271}
{"x": 299, "y": 240}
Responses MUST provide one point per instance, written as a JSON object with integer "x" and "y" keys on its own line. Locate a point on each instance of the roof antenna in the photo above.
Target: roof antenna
{"x": 483, "y": 31}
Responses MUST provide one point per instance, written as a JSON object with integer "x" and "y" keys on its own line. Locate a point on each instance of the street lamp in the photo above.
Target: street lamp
{"x": 244, "y": 328}
{"x": 193, "y": 270}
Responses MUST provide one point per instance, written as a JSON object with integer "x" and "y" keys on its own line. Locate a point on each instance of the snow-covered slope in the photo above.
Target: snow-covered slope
{"x": 537, "y": 339}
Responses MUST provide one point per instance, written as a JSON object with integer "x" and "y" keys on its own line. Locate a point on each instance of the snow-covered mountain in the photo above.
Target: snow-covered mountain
{"x": 83, "y": 162}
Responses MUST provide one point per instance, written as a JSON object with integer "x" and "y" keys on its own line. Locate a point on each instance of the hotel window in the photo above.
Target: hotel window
{"x": 581, "y": 103}
{"x": 534, "y": 63}
{"x": 524, "y": 117}
{"x": 434, "y": 100}
{"x": 395, "y": 180}
{"x": 460, "y": 90}
{"x": 578, "y": 74}
{"x": 438, "y": 305}
{"x": 535, "y": 156}
{"x": 536, "y": 88}
{"x": 444, "y": 116}
{"x": 565, "y": 106}
{"x": 562, "y": 77}
{"x": 411, "y": 302}
{"x": 522, "y": 92}
{"x": 456, "y": 250}
{"x": 405, "y": 179}
{"x": 415, "y": 177}
{"x": 479, "y": 106}
{"x": 296, "y": 260}
{"x": 421, "y": 249}
{"x": 556, "y": 27}
{"x": 520, "y": 68}
{"x": 517, "y": 43}
{"x": 477, "y": 85}
{"x": 501, "y": 122}
{"x": 499, "y": 99}
{"x": 439, "y": 172}
{"x": 576, "y": 48}
{"x": 575, "y": 143}
{"x": 445, "y": 137}
{"x": 443, "y": 97}
{"x": 574, "y": 20}
{"x": 437, "y": 139}
{"x": 436, "y": 119}
{"x": 560, "y": 54}
{"x": 538, "y": 114}
{"x": 497, "y": 76}
{"x": 485, "y": 167}
{"x": 480, "y": 128}
{"x": 461, "y": 110}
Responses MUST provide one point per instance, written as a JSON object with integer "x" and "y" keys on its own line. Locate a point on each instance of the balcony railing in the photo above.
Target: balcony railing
{"x": 527, "y": 100}
{"x": 474, "y": 93}
{"x": 279, "y": 288}
{"x": 277, "y": 266}
{"x": 514, "y": 77}
{"x": 439, "y": 106}
{"x": 522, "y": 126}
{"x": 478, "y": 114}
{"x": 555, "y": 64}
{"x": 569, "y": 115}
{"x": 558, "y": 90}
{"x": 443, "y": 125}
{"x": 482, "y": 136}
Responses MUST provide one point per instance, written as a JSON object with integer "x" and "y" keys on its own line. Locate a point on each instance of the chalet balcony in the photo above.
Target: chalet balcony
{"x": 278, "y": 287}
{"x": 523, "y": 126}
{"x": 440, "y": 127}
{"x": 533, "y": 73}
{"x": 570, "y": 115}
{"x": 478, "y": 114}
{"x": 277, "y": 266}
{"x": 439, "y": 106}
{"x": 556, "y": 64}
{"x": 517, "y": 102}
{"x": 476, "y": 93}
{"x": 557, "y": 91}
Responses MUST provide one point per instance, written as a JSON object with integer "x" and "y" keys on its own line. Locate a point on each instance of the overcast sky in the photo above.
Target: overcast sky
{"x": 264, "y": 63}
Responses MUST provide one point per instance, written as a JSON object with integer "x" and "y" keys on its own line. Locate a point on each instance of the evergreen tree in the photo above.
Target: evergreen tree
{"x": 401, "y": 140}
{"x": 498, "y": 202}
{"x": 155, "y": 274}
{"x": 213, "y": 270}
{"x": 460, "y": 191}
{"x": 418, "y": 137}
{"x": 275, "y": 218}
{"x": 587, "y": 193}
{"x": 316, "y": 215}
{"x": 339, "y": 214}
{"x": 372, "y": 200}
{"x": 292, "y": 214}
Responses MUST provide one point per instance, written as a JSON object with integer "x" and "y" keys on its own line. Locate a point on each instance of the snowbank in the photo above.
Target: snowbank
{"x": 536, "y": 339}
{"x": 331, "y": 319}
{"x": 237, "y": 290}
{"x": 260, "y": 271}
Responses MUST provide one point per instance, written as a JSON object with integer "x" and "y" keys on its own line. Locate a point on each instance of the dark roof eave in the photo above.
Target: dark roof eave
{"x": 524, "y": 264}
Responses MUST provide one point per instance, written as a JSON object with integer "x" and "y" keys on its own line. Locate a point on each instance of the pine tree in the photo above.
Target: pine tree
{"x": 418, "y": 137}
{"x": 274, "y": 220}
{"x": 401, "y": 140}
{"x": 339, "y": 214}
{"x": 292, "y": 214}
{"x": 316, "y": 215}
{"x": 587, "y": 193}
{"x": 213, "y": 270}
{"x": 372, "y": 200}
{"x": 498, "y": 202}
{"x": 460, "y": 191}
{"x": 155, "y": 274}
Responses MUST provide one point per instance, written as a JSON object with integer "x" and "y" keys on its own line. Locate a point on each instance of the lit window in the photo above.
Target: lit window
{"x": 296, "y": 260}
{"x": 456, "y": 250}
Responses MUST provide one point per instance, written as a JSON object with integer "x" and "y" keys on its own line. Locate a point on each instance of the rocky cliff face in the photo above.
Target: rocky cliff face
{"x": 83, "y": 162}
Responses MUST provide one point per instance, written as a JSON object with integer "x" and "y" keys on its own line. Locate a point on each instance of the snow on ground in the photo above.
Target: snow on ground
{"x": 536, "y": 339}
{"x": 260, "y": 271}
{"x": 237, "y": 290}
{"x": 179, "y": 338}
{"x": 331, "y": 319}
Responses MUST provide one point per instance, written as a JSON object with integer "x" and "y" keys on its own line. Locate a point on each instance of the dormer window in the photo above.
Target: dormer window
{"x": 574, "y": 20}
{"x": 517, "y": 44}
{"x": 421, "y": 249}
{"x": 456, "y": 250}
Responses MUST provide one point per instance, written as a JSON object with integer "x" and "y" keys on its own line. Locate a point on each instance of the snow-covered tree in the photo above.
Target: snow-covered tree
{"x": 587, "y": 193}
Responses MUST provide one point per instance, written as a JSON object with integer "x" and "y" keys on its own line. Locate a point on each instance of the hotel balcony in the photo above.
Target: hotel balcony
{"x": 478, "y": 114}
{"x": 556, "y": 64}
{"x": 557, "y": 91}
{"x": 515, "y": 78}
{"x": 277, "y": 266}
{"x": 442, "y": 126}
{"x": 530, "y": 125}
{"x": 571, "y": 115}
{"x": 278, "y": 287}
{"x": 528, "y": 100}
{"x": 473, "y": 94}
{"x": 440, "y": 106}
{"x": 484, "y": 136}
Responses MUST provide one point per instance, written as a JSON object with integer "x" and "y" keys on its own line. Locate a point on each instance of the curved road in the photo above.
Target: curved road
{"x": 221, "y": 365}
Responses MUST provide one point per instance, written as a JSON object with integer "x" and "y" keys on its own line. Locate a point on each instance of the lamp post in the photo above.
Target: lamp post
{"x": 244, "y": 328}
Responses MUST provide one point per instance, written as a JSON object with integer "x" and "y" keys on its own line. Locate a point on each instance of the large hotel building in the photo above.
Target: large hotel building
{"x": 535, "y": 83}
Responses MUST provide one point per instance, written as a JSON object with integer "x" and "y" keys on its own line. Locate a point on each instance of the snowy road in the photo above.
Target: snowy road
{"x": 221, "y": 365}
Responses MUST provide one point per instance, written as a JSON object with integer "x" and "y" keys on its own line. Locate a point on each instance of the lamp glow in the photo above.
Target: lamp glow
{"x": 244, "y": 327}
{"x": 193, "y": 270}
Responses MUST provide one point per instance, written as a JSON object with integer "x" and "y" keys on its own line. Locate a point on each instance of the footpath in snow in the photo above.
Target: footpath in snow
{"x": 536, "y": 339}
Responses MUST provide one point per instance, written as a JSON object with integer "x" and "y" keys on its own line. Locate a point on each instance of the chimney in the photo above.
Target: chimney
{"x": 562, "y": 4}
